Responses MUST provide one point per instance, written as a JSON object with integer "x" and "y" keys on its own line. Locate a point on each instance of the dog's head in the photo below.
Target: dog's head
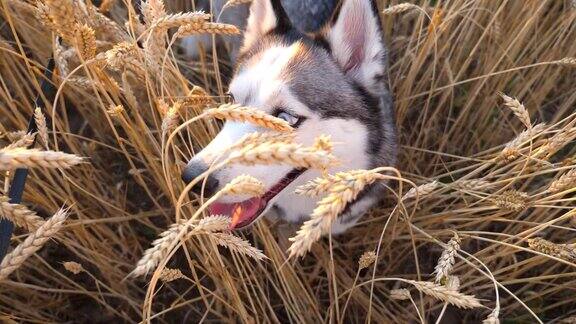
{"x": 328, "y": 83}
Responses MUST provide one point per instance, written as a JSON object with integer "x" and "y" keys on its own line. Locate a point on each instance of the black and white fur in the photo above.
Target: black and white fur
{"x": 334, "y": 80}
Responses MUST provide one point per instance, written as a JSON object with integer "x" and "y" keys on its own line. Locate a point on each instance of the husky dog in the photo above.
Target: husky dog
{"x": 307, "y": 16}
{"x": 331, "y": 82}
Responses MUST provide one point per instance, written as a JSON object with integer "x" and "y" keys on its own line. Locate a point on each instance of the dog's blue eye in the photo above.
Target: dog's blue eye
{"x": 290, "y": 119}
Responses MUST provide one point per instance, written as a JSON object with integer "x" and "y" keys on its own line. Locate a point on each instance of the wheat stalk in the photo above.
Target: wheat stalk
{"x": 286, "y": 153}
{"x": 567, "y": 61}
{"x": 447, "y": 259}
{"x": 23, "y": 142}
{"x": 421, "y": 191}
{"x": 29, "y": 158}
{"x": 171, "y": 118}
{"x": 400, "y": 294}
{"x": 446, "y": 294}
{"x": 512, "y": 200}
{"x": 122, "y": 55}
{"x": 399, "y": 8}
{"x": 244, "y": 185}
{"x": 473, "y": 184}
{"x": 14, "y": 136}
{"x": 493, "y": 317}
{"x": 240, "y": 113}
{"x": 85, "y": 40}
{"x": 236, "y": 244}
{"x": 160, "y": 248}
{"x": 320, "y": 186}
{"x": 73, "y": 267}
{"x": 328, "y": 208}
{"x": 212, "y": 223}
{"x": 115, "y": 111}
{"x": 153, "y": 9}
{"x": 518, "y": 109}
{"x": 207, "y": 28}
{"x": 169, "y": 275}
{"x": 511, "y": 150}
{"x": 62, "y": 17}
{"x": 19, "y": 215}
{"x": 563, "y": 251}
{"x": 258, "y": 138}
{"x": 366, "y": 259}
{"x": 179, "y": 19}
{"x": 566, "y": 181}
{"x": 232, "y": 3}
{"x": 41, "y": 124}
{"x": 32, "y": 244}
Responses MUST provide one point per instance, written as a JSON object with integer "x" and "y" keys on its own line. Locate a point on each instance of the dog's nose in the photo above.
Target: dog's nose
{"x": 195, "y": 169}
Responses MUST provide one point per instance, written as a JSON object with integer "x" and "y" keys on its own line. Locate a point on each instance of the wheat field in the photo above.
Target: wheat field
{"x": 479, "y": 224}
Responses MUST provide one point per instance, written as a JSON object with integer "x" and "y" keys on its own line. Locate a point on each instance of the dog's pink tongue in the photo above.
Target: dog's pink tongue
{"x": 242, "y": 213}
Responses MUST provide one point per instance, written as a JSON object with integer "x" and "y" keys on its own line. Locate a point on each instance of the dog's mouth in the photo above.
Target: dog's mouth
{"x": 246, "y": 212}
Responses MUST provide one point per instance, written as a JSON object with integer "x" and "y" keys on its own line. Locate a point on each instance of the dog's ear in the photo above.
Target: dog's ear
{"x": 356, "y": 42}
{"x": 265, "y": 16}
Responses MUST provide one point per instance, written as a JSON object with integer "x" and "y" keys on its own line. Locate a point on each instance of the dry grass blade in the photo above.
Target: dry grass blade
{"x": 236, "y": 244}
{"x": 518, "y": 109}
{"x": 25, "y": 158}
{"x": 32, "y": 244}
{"x": 446, "y": 295}
{"x": 20, "y": 215}
{"x": 240, "y": 113}
{"x": 42, "y": 126}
